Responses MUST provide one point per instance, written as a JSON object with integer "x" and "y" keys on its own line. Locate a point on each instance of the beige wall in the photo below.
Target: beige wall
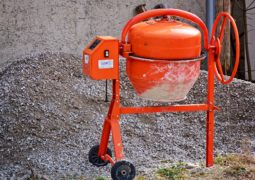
{"x": 34, "y": 26}
{"x": 251, "y": 40}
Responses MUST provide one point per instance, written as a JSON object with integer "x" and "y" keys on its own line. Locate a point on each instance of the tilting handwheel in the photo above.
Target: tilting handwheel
{"x": 123, "y": 170}
{"x": 95, "y": 159}
{"x": 217, "y": 41}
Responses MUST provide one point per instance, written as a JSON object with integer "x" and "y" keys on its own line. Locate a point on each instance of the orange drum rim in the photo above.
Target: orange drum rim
{"x": 200, "y": 58}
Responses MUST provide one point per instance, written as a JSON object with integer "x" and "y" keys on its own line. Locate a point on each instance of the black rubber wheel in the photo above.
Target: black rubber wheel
{"x": 95, "y": 159}
{"x": 123, "y": 170}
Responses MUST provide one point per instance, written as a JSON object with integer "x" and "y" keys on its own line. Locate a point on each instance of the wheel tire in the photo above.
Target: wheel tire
{"x": 95, "y": 159}
{"x": 123, "y": 170}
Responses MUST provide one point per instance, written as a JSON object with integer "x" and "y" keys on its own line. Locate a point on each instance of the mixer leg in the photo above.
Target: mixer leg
{"x": 105, "y": 138}
{"x": 116, "y": 137}
{"x": 210, "y": 112}
{"x": 209, "y": 138}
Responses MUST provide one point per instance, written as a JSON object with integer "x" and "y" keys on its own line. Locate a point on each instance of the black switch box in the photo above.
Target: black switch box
{"x": 106, "y": 53}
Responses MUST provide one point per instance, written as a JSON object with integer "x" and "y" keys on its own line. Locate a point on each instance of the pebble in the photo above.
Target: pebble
{"x": 51, "y": 115}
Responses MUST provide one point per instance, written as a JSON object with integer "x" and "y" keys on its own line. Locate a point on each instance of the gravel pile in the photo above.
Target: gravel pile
{"x": 50, "y": 116}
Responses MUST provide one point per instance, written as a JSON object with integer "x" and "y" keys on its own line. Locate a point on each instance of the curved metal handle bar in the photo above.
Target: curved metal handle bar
{"x": 217, "y": 41}
{"x": 160, "y": 12}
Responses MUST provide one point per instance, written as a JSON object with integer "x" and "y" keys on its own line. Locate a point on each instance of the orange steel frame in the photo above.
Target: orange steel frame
{"x": 111, "y": 123}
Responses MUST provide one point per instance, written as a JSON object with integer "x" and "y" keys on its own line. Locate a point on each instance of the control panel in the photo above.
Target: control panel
{"x": 101, "y": 58}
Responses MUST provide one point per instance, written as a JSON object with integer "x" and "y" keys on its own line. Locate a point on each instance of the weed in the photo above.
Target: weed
{"x": 140, "y": 178}
{"x": 176, "y": 171}
{"x": 231, "y": 166}
{"x": 101, "y": 178}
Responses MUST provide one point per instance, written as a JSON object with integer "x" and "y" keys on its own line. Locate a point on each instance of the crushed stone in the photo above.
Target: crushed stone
{"x": 51, "y": 115}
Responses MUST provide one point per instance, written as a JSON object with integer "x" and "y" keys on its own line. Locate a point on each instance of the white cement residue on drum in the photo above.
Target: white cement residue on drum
{"x": 173, "y": 80}
{"x": 173, "y": 87}
{"x": 168, "y": 92}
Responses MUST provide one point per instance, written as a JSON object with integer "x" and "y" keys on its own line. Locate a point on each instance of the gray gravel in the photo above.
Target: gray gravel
{"x": 50, "y": 116}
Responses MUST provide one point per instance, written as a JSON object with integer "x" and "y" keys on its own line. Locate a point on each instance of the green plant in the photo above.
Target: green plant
{"x": 101, "y": 178}
{"x": 176, "y": 171}
{"x": 140, "y": 178}
{"x": 241, "y": 166}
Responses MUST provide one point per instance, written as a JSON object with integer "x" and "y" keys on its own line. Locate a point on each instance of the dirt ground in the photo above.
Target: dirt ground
{"x": 230, "y": 167}
{"x": 50, "y": 116}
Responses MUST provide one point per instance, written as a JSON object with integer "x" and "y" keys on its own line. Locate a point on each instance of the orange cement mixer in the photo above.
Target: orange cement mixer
{"x": 163, "y": 58}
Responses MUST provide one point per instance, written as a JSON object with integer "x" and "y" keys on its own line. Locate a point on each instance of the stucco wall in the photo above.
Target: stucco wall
{"x": 34, "y": 26}
{"x": 251, "y": 40}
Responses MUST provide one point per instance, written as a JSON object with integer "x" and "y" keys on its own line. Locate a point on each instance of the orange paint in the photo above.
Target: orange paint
{"x": 217, "y": 42}
{"x": 95, "y": 64}
{"x": 169, "y": 37}
{"x": 162, "y": 80}
{"x": 157, "y": 53}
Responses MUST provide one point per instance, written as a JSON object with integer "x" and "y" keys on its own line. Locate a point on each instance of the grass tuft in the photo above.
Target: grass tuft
{"x": 101, "y": 178}
{"x": 140, "y": 178}
{"x": 237, "y": 166}
{"x": 176, "y": 171}
{"x": 231, "y": 166}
